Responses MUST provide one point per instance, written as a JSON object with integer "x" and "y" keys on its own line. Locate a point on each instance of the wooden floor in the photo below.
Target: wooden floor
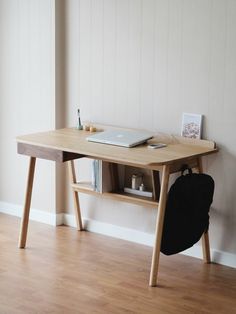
{"x": 65, "y": 271}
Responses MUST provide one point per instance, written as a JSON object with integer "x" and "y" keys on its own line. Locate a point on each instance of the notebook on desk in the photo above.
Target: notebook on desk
{"x": 120, "y": 137}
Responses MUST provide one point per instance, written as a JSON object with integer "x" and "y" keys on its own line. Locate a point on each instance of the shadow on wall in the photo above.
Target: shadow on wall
{"x": 222, "y": 167}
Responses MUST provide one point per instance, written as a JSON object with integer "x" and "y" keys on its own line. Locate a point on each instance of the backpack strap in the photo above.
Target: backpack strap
{"x": 184, "y": 168}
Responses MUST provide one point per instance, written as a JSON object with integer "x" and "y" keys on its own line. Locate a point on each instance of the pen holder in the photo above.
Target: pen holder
{"x": 79, "y": 125}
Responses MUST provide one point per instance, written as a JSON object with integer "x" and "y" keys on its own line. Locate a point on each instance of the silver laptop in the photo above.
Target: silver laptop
{"x": 120, "y": 137}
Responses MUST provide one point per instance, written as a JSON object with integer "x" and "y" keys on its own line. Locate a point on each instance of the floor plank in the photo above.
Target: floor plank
{"x": 66, "y": 271}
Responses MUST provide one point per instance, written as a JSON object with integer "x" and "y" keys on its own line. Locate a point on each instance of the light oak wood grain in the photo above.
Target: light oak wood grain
{"x": 26, "y": 209}
{"x": 73, "y": 140}
{"x": 168, "y": 160}
{"x": 205, "y": 237}
{"x": 85, "y": 187}
{"x": 159, "y": 226}
{"x": 72, "y": 175}
{"x": 81, "y": 272}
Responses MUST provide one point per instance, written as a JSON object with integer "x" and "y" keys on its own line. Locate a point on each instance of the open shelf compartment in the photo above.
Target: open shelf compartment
{"x": 88, "y": 188}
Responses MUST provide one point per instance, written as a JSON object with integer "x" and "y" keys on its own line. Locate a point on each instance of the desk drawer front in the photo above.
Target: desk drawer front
{"x": 46, "y": 153}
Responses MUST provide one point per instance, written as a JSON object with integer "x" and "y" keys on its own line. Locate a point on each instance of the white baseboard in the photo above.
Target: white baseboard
{"x": 112, "y": 230}
{"x": 35, "y": 214}
{"x": 219, "y": 257}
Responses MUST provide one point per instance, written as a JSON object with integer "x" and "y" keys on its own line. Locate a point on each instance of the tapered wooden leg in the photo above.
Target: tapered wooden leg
{"x": 205, "y": 237}
{"x": 75, "y": 196}
{"x": 206, "y": 248}
{"x": 159, "y": 226}
{"x": 26, "y": 210}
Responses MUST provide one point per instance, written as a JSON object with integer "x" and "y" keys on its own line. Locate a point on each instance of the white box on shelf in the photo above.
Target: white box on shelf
{"x": 138, "y": 192}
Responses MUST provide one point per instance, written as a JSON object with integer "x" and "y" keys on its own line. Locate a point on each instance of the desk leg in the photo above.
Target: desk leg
{"x": 75, "y": 195}
{"x": 159, "y": 226}
{"x": 206, "y": 248}
{"x": 205, "y": 237}
{"x": 26, "y": 210}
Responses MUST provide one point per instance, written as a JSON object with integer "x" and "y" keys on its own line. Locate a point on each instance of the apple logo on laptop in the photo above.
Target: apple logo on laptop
{"x": 120, "y": 135}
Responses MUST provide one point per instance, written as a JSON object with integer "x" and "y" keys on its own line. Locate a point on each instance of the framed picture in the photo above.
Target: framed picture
{"x": 191, "y": 125}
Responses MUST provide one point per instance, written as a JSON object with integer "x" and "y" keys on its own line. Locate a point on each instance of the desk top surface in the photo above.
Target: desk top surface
{"x": 73, "y": 140}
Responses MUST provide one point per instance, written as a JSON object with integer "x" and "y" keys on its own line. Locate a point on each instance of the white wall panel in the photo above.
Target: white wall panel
{"x": 145, "y": 62}
{"x": 97, "y": 57}
{"x": 146, "y": 65}
{"x": 217, "y": 64}
{"x": 84, "y": 52}
{"x": 137, "y": 63}
{"x": 134, "y": 62}
{"x": 26, "y": 95}
{"x": 161, "y": 42}
{"x": 121, "y": 59}
{"x": 109, "y": 63}
{"x": 195, "y": 48}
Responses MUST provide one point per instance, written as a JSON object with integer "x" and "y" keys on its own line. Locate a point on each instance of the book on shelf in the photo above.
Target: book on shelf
{"x": 101, "y": 176}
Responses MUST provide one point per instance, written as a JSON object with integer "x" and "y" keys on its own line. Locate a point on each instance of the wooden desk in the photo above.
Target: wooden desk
{"x": 69, "y": 144}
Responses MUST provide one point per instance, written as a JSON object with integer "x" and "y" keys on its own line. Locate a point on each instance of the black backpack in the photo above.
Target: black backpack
{"x": 186, "y": 214}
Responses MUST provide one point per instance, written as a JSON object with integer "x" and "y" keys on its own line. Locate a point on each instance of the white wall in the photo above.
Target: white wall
{"x": 141, "y": 64}
{"x": 26, "y": 95}
{"x": 136, "y": 63}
